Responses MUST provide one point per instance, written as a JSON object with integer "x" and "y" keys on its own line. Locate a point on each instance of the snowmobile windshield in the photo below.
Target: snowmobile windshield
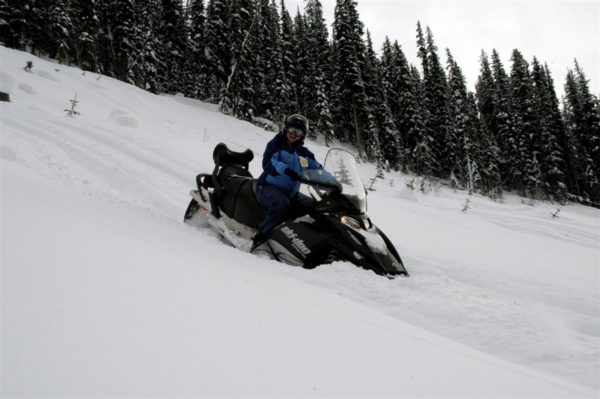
{"x": 342, "y": 165}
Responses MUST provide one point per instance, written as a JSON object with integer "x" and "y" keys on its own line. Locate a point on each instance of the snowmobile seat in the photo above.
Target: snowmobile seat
{"x": 247, "y": 209}
{"x": 229, "y": 192}
{"x": 233, "y": 172}
{"x": 229, "y": 164}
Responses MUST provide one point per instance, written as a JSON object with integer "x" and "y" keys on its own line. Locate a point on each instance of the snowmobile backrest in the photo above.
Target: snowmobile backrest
{"x": 223, "y": 156}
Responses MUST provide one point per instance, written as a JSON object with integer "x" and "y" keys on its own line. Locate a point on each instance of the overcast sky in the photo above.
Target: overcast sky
{"x": 555, "y": 32}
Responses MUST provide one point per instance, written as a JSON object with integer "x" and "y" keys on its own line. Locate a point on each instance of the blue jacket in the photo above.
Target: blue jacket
{"x": 281, "y": 154}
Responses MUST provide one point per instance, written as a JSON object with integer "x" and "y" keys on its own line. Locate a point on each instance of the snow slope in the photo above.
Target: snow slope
{"x": 105, "y": 292}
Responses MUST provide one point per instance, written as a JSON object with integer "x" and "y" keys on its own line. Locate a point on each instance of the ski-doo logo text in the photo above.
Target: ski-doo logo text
{"x": 296, "y": 242}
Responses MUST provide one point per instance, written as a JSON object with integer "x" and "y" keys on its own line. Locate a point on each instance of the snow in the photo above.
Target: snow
{"x": 105, "y": 292}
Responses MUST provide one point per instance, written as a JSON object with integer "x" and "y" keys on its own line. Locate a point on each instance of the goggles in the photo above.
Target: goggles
{"x": 295, "y": 131}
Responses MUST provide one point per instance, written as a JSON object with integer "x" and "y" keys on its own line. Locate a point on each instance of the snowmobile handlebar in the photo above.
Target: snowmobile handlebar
{"x": 333, "y": 187}
{"x": 321, "y": 179}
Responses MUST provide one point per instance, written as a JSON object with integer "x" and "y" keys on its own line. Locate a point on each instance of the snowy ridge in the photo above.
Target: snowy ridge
{"x": 105, "y": 292}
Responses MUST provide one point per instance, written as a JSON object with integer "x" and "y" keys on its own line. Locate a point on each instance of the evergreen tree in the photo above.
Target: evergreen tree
{"x": 354, "y": 121}
{"x": 557, "y": 125}
{"x": 484, "y": 170}
{"x": 580, "y": 137}
{"x": 437, "y": 99}
{"x": 590, "y": 122}
{"x": 401, "y": 95}
{"x": 35, "y": 29}
{"x": 172, "y": 33}
{"x": 501, "y": 125}
{"x": 195, "y": 61}
{"x": 424, "y": 162}
{"x": 218, "y": 50}
{"x": 300, "y": 62}
{"x": 119, "y": 42}
{"x": 550, "y": 155}
{"x": 323, "y": 121}
{"x": 144, "y": 68}
{"x": 317, "y": 70}
{"x": 267, "y": 60}
{"x": 280, "y": 90}
{"x": 489, "y": 106}
{"x": 45, "y": 28}
{"x": 238, "y": 95}
{"x": 475, "y": 152}
{"x": 104, "y": 39}
{"x": 571, "y": 110}
{"x": 525, "y": 166}
{"x": 12, "y": 22}
{"x": 463, "y": 129}
{"x": 86, "y": 28}
{"x": 422, "y": 49}
{"x": 435, "y": 102}
{"x": 60, "y": 28}
{"x": 384, "y": 139}
{"x": 287, "y": 96}
{"x": 485, "y": 91}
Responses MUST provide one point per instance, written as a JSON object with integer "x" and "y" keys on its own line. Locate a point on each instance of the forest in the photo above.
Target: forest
{"x": 257, "y": 61}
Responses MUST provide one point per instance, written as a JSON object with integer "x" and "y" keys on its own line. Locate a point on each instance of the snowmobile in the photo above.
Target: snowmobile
{"x": 335, "y": 228}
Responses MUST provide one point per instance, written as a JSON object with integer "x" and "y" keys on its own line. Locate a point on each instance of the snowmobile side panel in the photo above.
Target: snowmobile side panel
{"x": 282, "y": 254}
{"x": 304, "y": 241}
{"x": 240, "y": 229}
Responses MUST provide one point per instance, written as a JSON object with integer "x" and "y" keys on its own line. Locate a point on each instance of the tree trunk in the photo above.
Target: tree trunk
{"x": 357, "y": 130}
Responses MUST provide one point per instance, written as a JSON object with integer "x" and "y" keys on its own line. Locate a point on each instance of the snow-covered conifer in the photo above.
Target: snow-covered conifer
{"x": 239, "y": 92}
{"x": 461, "y": 140}
{"x": 172, "y": 33}
{"x": 144, "y": 67}
{"x": 318, "y": 67}
{"x": 485, "y": 89}
{"x": 400, "y": 92}
{"x": 60, "y": 32}
{"x": 118, "y": 38}
{"x": 388, "y": 138}
{"x": 195, "y": 67}
{"x": 353, "y": 121}
{"x": 524, "y": 165}
{"x": 299, "y": 63}
{"x": 550, "y": 154}
{"x": 437, "y": 100}
{"x": 267, "y": 58}
{"x": 12, "y": 21}
{"x": 287, "y": 96}
{"x": 502, "y": 127}
{"x": 86, "y": 28}
{"x": 218, "y": 50}
{"x": 581, "y": 134}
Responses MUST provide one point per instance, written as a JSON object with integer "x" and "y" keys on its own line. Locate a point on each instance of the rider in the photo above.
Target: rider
{"x": 284, "y": 161}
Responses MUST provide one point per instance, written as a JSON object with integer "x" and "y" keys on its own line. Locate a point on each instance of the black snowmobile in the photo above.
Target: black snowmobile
{"x": 335, "y": 228}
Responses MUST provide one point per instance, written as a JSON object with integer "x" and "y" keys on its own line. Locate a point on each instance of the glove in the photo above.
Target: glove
{"x": 292, "y": 174}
